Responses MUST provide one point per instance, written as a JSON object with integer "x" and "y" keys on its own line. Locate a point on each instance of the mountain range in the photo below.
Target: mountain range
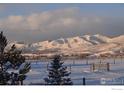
{"x": 94, "y": 45}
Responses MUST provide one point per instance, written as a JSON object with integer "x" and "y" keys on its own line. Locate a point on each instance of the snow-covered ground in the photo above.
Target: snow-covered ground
{"x": 79, "y": 69}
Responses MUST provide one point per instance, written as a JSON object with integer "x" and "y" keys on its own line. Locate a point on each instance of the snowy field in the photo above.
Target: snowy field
{"x": 79, "y": 69}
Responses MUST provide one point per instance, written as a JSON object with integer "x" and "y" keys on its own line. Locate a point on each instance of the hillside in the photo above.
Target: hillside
{"x": 94, "y": 45}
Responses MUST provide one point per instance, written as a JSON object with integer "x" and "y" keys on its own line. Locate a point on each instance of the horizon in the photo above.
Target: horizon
{"x": 111, "y": 37}
{"x": 39, "y": 22}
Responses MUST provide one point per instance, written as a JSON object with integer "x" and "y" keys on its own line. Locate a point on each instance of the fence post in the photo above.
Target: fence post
{"x": 108, "y": 67}
{"x": 84, "y": 81}
{"x": 93, "y": 66}
{"x": 114, "y": 60}
{"x": 100, "y": 61}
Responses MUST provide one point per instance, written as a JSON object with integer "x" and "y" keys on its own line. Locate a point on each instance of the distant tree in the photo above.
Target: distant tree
{"x": 58, "y": 74}
{"x": 13, "y": 67}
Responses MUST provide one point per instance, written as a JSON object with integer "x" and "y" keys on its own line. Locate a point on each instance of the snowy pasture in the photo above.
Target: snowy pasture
{"x": 80, "y": 68}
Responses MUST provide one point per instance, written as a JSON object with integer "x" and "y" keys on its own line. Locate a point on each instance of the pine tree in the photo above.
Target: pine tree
{"x": 14, "y": 61}
{"x": 4, "y": 76}
{"x": 58, "y": 74}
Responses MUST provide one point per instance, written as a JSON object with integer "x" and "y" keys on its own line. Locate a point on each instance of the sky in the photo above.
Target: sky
{"x": 39, "y": 22}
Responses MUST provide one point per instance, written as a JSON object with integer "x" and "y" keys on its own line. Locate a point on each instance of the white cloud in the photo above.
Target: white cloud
{"x": 53, "y": 24}
{"x": 41, "y": 20}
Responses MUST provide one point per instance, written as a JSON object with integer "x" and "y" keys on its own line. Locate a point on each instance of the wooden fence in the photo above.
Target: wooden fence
{"x": 100, "y": 67}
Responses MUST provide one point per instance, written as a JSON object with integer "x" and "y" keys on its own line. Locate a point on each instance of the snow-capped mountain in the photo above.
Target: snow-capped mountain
{"x": 96, "y": 39}
{"x": 92, "y": 44}
{"x": 119, "y": 39}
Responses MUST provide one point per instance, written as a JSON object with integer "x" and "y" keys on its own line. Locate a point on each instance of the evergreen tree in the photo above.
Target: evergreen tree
{"x": 13, "y": 67}
{"x": 58, "y": 74}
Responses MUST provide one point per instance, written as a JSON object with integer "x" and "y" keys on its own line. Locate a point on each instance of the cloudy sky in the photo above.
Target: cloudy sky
{"x": 38, "y": 22}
